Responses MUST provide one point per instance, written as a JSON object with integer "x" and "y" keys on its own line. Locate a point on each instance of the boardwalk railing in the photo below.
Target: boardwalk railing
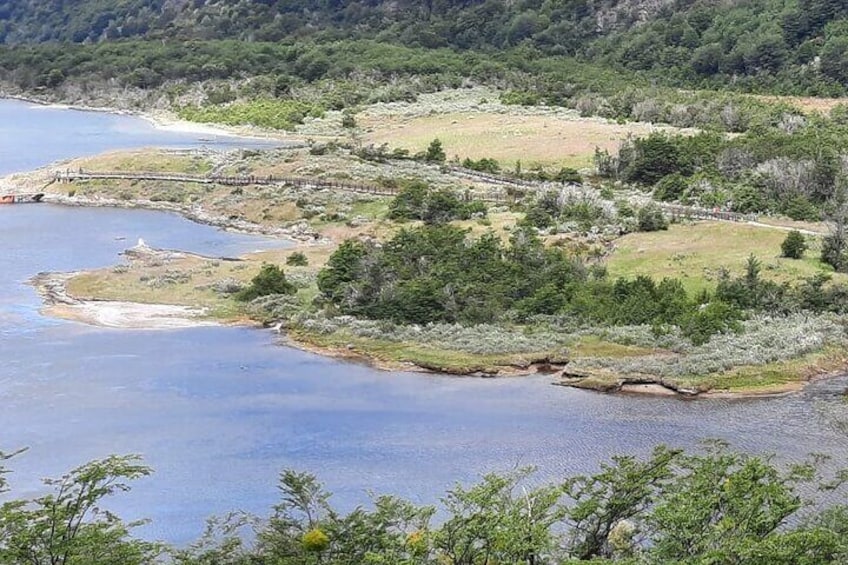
{"x": 226, "y": 180}
{"x": 492, "y": 178}
{"x": 672, "y": 210}
{"x": 253, "y": 180}
{"x": 693, "y": 213}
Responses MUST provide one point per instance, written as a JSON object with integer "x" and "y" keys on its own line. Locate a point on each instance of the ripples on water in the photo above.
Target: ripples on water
{"x": 219, "y": 411}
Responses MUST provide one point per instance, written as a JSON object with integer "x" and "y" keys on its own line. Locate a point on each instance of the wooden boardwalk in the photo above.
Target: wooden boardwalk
{"x": 225, "y": 180}
{"x": 676, "y": 211}
{"x": 672, "y": 210}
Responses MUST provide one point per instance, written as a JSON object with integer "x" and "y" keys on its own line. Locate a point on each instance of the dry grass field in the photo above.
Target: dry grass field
{"x": 546, "y": 140}
{"x": 806, "y": 104}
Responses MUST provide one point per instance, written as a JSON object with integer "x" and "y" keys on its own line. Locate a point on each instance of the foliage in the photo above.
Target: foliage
{"x": 620, "y": 493}
{"x": 273, "y": 114}
{"x": 576, "y": 204}
{"x": 270, "y": 280}
{"x": 297, "y": 259}
{"x": 435, "y": 274}
{"x": 484, "y": 165}
{"x": 670, "y": 188}
{"x": 651, "y": 218}
{"x": 711, "y": 506}
{"x": 655, "y": 157}
{"x": 794, "y": 245}
{"x": 435, "y": 153}
{"x": 568, "y": 175}
{"x": 835, "y": 252}
{"x": 766, "y": 45}
{"x": 69, "y": 526}
{"x": 417, "y": 201}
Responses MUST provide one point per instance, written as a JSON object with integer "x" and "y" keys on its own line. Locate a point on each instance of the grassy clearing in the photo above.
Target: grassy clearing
{"x": 549, "y": 141}
{"x": 696, "y": 253}
{"x": 184, "y": 280}
{"x": 807, "y": 104}
{"x": 499, "y": 223}
{"x": 147, "y": 160}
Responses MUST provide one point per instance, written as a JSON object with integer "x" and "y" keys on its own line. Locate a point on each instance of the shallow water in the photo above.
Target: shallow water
{"x": 220, "y": 411}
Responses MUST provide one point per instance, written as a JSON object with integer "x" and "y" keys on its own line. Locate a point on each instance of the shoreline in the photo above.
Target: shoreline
{"x": 294, "y": 235}
{"x": 133, "y": 315}
{"x": 59, "y": 303}
{"x": 165, "y": 120}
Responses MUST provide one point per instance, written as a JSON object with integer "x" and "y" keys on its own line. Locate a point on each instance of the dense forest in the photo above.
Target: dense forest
{"x": 798, "y": 46}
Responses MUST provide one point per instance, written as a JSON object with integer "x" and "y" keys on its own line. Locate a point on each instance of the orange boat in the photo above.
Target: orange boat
{"x": 21, "y": 198}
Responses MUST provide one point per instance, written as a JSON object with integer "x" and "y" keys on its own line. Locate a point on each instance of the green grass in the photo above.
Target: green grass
{"x": 695, "y": 254}
{"x": 774, "y": 377}
{"x": 391, "y": 354}
{"x": 372, "y": 209}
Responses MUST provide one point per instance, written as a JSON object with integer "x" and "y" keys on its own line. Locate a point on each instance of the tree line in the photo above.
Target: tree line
{"x": 797, "y": 46}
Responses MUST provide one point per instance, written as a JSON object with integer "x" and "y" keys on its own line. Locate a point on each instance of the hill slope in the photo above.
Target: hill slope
{"x": 798, "y": 46}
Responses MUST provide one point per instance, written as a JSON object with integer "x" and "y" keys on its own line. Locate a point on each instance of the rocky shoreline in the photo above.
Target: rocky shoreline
{"x": 299, "y": 231}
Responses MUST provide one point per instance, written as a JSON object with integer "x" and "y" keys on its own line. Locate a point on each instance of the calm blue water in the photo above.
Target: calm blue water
{"x": 32, "y": 135}
{"x": 220, "y": 411}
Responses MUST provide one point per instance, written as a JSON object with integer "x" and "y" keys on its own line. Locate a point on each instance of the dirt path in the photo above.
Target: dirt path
{"x": 786, "y": 228}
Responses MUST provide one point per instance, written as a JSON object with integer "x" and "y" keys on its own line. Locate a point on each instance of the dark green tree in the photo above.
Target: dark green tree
{"x": 435, "y": 153}
{"x": 656, "y": 156}
{"x": 270, "y": 280}
{"x": 651, "y": 218}
{"x": 794, "y": 245}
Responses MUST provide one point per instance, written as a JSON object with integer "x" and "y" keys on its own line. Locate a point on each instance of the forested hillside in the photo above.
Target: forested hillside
{"x": 798, "y": 46}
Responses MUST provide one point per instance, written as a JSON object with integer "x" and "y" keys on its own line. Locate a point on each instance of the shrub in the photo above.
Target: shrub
{"x": 794, "y": 245}
{"x": 484, "y": 165}
{"x": 348, "y": 121}
{"x": 748, "y": 199}
{"x": 651, "y": 218}
{"x": 568, "y": 175}
{"x": 671, "y": 187}
{"x": 656, "y": 156}
{"x": 416, "y": 201}
{"x": 270, "y": 280}
{"x": 538, "y": 217}
{"x": 297, "y": 259}
{"x": 834, "y": 252}
{"x": 409, "y": 203}
{"x": 435, "y": 153}
{"x": 716, "y": 317}
{"x": 800, "y": 209}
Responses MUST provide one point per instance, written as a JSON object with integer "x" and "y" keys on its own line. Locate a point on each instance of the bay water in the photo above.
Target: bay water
{"x": 220, "y": 411}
